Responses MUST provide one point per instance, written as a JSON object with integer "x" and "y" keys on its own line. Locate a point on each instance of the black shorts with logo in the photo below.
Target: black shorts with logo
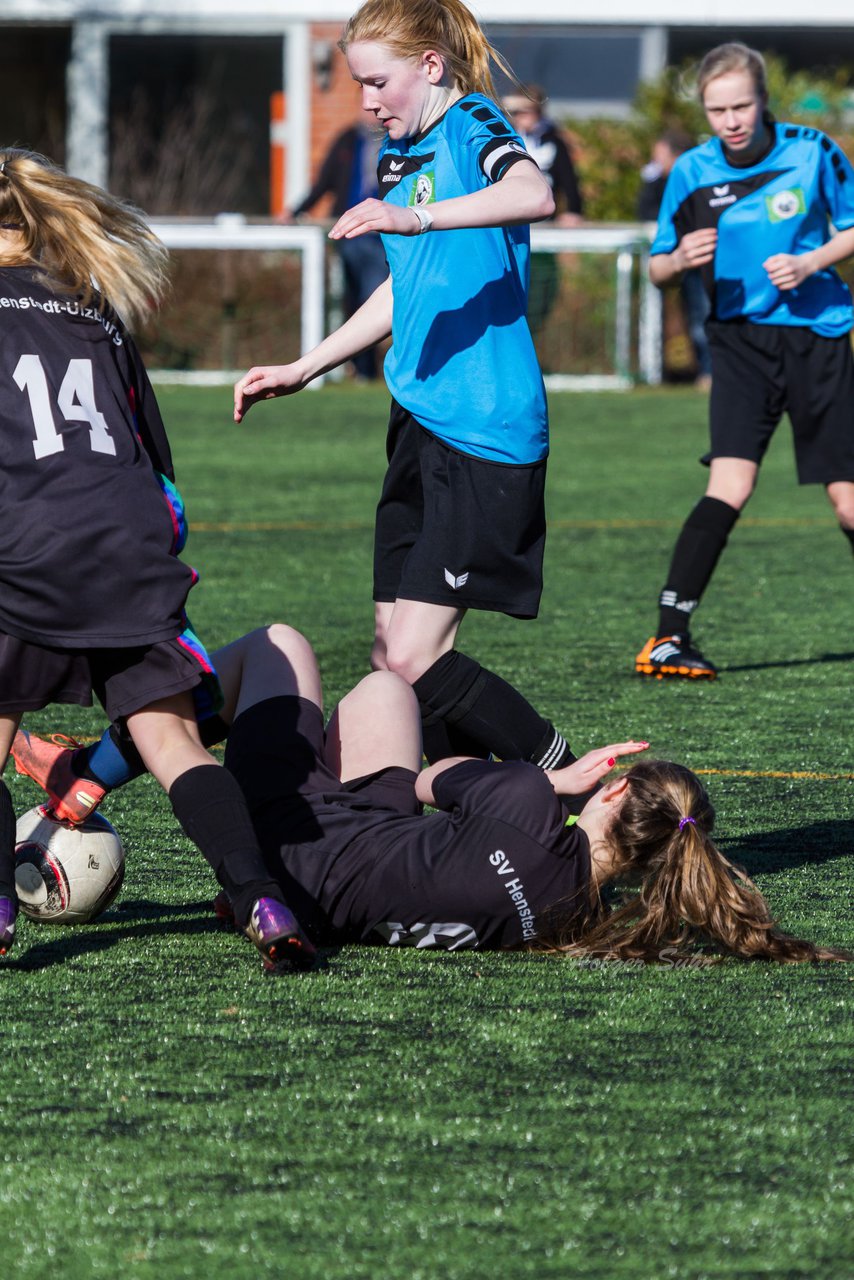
{"x": 456, "y": 530}
{"x": 759, "y": 372}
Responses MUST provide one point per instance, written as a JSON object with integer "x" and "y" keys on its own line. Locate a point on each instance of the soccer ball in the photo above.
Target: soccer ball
{"x": 66, "y": 874}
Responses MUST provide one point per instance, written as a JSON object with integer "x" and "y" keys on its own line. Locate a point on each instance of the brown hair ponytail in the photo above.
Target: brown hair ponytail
{"x": 689, "y": 894}
{"x": 82, "y": 239}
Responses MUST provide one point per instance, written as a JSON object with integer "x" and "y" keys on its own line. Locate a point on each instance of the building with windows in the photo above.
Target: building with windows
{"x": 194, "y": 106}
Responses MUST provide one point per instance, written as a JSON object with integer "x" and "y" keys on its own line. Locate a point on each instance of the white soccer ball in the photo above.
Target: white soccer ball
{"x": 66, "y": 874}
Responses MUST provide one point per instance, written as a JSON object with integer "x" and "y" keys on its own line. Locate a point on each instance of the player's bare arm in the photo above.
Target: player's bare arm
{"x": 696, "y": 249}
{"x": 521, "y": 196}
{"x": 367, "y": 326}
{"x": 788, "y": 270}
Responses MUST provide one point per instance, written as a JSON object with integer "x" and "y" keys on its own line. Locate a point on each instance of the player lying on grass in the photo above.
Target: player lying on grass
{"x": 92, "y": 591}
{"x": 338, "y": 813}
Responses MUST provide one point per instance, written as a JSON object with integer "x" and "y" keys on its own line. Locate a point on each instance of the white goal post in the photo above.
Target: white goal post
{"x": 232, "y": 231}
{"x": 627, "y": 243}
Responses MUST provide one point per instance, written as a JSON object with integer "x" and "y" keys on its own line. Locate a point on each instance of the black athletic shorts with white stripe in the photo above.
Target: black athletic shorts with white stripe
{"x": 456, "y": 530}
{"x": 761, "y": 371}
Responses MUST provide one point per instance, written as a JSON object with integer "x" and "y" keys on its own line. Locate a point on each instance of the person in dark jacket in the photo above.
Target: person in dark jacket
{"x": 349, "y": 174}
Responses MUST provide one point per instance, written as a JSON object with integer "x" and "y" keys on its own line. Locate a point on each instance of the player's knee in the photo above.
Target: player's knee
{"x": 407, "y": 661}
{"x": 283, "y": 637}
{"x": 842, "y": 501}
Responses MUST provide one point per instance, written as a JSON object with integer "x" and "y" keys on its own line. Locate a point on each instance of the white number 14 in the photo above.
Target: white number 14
{"x": 75, "y": 400}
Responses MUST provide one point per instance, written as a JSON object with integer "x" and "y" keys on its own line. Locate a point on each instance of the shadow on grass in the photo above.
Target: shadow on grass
{"x": 131, "y": 919}
{"x": 770, "y": 851}
{"x": 790, "y": 662}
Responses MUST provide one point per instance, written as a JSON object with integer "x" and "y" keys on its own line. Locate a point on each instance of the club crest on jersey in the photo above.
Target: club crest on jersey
{"x": 424, "y": 191}
{"x": 456, "y": 582}
{"x": 783, "y": 205}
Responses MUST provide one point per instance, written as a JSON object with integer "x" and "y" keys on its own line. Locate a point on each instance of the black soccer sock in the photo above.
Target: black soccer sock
{"x": 460, "y": 695}
{"x": 849, "y": 533}
{"x": 698, "y": 548}
{"x": 7, "y": 844}
{"x": 212, "y": 810}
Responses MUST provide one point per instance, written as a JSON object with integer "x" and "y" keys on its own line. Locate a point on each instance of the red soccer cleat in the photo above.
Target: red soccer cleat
{"x": 72, "y": 799}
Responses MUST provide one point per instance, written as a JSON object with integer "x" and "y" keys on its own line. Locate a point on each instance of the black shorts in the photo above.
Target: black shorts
{"x": 456, "y": 530}
{"x": 275, "y": 750}
{"x": 33, "y": 676}
{"x": 761, "y": 371}
{"x": 304, "y": 816}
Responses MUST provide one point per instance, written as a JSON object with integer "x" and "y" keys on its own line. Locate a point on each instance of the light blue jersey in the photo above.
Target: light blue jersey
{"x": 785, "y": 203}
{"x": 462, "y": 359}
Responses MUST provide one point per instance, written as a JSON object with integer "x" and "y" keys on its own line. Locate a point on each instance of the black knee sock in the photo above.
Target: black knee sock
{"x": 697, "y": 551}
{"x": 849, "y": 533}
{"x": 469, "y": 703}
{"x": 7, "y": 844}
{"x": 212, "y": 810}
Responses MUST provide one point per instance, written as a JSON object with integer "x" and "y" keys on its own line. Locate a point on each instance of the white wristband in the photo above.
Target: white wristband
{"x": 423, "y": 216}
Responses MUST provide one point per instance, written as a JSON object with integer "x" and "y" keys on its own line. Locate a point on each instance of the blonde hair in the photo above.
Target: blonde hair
{"x": 83, "y": 240}
{"x": 410, "y": 28}
{"x": 689, "y": 893}
{"x": 733, "y": 56}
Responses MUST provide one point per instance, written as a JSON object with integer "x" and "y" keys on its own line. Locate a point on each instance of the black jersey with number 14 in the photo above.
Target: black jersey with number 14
{"x": 87, "y": 540}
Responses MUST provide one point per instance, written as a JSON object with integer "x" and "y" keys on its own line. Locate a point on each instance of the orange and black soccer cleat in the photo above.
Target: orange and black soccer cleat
{"x": 669, "y": 656}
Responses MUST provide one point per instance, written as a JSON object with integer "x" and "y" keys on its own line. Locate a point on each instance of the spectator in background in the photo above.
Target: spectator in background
{"x": 546, "y": 144}
{"x": 349, "y": 174}
{"x": 695, "y": 302}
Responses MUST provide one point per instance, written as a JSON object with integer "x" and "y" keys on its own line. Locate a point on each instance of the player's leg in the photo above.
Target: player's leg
{"x": 8, "y": 895}
{"x": 375, "y": 726}
{"x": 77, "y": 778}
{"x": 212, "y": 811}
{"x": 841, "y": 496}
{"x": 748, "y": 394}
{"x": 466, "y": 709}
{"x": 821, "y": 377}
{"x": 455, "y": 532}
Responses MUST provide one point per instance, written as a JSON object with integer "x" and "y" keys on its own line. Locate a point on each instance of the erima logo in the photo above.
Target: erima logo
{"x": 722, "y": 195}
{"x": 456, "y": 583}
{"x": 396, "y": 167}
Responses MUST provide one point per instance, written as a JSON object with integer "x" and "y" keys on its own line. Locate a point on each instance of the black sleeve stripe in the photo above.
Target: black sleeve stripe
{"x": 484, "y": 113}
{"x": 497, "y": 157}
{"x": 826, "y": 144}
{"x": 792, "y": 133}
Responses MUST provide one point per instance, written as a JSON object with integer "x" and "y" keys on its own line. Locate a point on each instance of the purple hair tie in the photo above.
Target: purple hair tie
{"x": 682, "y": 822}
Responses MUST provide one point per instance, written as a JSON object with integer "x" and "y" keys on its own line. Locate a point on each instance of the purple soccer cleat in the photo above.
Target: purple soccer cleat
{"x": 8, "y": 912}
{"x": 274, "y": 930}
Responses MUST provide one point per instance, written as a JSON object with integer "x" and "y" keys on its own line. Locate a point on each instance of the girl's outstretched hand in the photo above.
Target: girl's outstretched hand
{"x": 583, "y": 774}
{"x": 265, "y": 382}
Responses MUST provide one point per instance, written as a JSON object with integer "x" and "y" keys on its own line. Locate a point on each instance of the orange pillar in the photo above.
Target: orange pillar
{"x": 278, "y": 153}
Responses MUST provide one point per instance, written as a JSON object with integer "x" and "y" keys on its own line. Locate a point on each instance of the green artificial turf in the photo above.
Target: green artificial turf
{"x": 167, "y": 1111}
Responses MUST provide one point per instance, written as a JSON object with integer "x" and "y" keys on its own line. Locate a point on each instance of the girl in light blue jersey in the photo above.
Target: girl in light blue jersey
{"x": 764, "y": 210}
{"x": 461, "y": 523}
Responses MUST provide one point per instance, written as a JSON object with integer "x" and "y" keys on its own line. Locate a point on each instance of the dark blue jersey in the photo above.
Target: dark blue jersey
{"x": 785, "y": 203}
{"x": 462, "y": 359}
